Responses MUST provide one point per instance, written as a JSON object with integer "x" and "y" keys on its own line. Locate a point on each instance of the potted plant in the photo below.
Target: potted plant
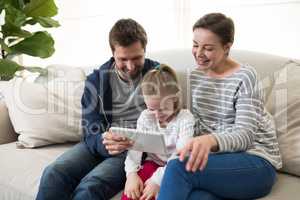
{"x": 16, "y": 16}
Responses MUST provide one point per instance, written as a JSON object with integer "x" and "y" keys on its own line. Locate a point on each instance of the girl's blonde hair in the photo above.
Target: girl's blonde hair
{"x": 162, "y": 82}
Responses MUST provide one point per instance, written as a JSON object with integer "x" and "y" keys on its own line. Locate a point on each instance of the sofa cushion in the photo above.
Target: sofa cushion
{"x": 183, "y": 63}
{"x": 266, "y": 66}
{"x": 285, "y": 188}
{"x": 22, "y": 181}
{"x": 285, "y": 101}
{"x": 7, "y": 133}
{"x": 21, "y": 169}
{"x": 47, "y": 112}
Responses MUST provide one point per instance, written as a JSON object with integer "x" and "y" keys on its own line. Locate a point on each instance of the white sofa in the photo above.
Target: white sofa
{"x": 21, "y": 169}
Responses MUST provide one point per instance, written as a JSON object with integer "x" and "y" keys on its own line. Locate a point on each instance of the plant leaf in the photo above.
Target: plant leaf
{"x": 31, "y": 22}
{"x": 41, "y": 44}
{"x": 11, "y": 30}
{"x": 41, "y": 8}
{"x": 19, "y": 4}
{"x": 4, "y": 46}
{"x": 14, "y": 16}
{"x": 47, "y": 22}
{"x": 1, "y": 6}
{"x": 11, "y": 40}
{"x": 8, "y": 68}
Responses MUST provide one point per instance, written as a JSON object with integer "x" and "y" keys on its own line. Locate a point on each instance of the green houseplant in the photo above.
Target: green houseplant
{"x": 16, "y": 17}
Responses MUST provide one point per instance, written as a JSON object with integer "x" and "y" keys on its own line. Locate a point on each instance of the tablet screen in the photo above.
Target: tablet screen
{"x": 145, "y": 141}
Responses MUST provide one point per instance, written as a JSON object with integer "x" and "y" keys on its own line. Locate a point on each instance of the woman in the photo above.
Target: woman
{"x": 236, "y": 154}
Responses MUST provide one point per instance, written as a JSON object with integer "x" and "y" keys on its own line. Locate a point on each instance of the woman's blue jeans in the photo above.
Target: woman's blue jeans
{"x": 77, "y": 174}
{"x": 226, "y": 176}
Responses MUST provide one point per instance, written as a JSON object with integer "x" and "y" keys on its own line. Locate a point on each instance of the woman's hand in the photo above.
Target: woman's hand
{"x": 134, "y": 186}
{"x": 115, "y": 144}
{"x": 150, "y": 191}
{"x": 198, "y": 149}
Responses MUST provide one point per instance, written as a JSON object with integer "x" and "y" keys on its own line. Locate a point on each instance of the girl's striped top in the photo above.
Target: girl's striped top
{"x": 232, "y": 109}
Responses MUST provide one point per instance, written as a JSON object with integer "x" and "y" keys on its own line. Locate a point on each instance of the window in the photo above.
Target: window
{"x": 271, "y": 26}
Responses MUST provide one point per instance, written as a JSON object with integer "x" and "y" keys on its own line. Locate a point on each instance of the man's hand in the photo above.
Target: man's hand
{"x": 198, "y": 149}
{"x": 150, "y": 191}
{"x": 115, "y": 144}
{"x": 134, "y": 186}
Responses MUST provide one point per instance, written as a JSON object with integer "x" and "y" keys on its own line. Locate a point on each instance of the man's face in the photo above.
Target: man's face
{"x": 129, "y": 60}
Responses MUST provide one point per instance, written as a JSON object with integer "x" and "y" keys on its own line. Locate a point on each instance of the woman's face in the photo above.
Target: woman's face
{"x": 208, "y": 50}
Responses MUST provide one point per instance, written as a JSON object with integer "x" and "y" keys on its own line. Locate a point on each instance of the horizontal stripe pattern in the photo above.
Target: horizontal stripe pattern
{"x": 232, "y": 109}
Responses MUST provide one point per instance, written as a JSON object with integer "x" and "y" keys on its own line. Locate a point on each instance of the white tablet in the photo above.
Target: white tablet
{"x": 145, "y": 141}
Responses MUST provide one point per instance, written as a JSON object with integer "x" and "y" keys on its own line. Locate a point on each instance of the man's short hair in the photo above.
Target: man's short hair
{"x": 126, "y": 32}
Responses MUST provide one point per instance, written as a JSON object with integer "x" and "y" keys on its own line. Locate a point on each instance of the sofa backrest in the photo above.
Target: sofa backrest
{"x": 7, "y": 132}
{"x": 267, "y": 66}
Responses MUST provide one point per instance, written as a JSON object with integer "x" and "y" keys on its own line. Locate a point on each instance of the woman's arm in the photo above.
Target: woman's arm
{"x": 239, "y": 136}
{"x": 249, "y": 108}
{"x": 197, "y": 151}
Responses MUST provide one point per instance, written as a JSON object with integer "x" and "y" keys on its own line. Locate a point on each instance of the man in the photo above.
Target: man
{"x": 111, "y": 97}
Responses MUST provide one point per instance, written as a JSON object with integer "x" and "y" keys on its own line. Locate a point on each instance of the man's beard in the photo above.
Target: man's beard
{"x": 127, "y": 77}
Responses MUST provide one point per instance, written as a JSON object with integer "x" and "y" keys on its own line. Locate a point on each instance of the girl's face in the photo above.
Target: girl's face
{"x": 208, "y": 51}
{"x": 162, "y": 108}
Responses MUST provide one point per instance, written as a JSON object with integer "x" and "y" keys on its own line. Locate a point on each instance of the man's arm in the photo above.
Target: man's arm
{"x": 115, "y": 144}
{"x": 93, "y": 122}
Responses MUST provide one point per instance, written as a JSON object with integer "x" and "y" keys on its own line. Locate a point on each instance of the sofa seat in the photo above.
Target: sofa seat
{"x": 286, "y": 188}
{"x": 21, "y": 170}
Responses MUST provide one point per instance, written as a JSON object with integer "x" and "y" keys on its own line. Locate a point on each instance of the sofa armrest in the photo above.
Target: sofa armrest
{"x": 7, "y": 133}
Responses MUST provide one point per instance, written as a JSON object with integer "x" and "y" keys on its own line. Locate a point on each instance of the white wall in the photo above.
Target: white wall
{"x": 271, "y": 26}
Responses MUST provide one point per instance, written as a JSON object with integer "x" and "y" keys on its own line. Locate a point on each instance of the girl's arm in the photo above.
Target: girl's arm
{"x": 186, "y": 127}
{"x": 134, "y": 158}
{"x": 186, "y": 124}
{"x": 133, "y": 161}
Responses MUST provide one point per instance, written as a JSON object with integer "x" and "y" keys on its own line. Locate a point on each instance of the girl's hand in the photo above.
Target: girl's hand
{"x": 198, "y": 149}
{"x": 150, "y": 191}
{"x": 134, "y": 186}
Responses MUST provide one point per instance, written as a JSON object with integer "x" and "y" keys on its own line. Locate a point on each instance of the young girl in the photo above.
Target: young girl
{"x": 164, "y": 114}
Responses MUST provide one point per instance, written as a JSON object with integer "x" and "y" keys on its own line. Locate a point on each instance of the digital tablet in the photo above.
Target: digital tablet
{"x": 145, "y": 141}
